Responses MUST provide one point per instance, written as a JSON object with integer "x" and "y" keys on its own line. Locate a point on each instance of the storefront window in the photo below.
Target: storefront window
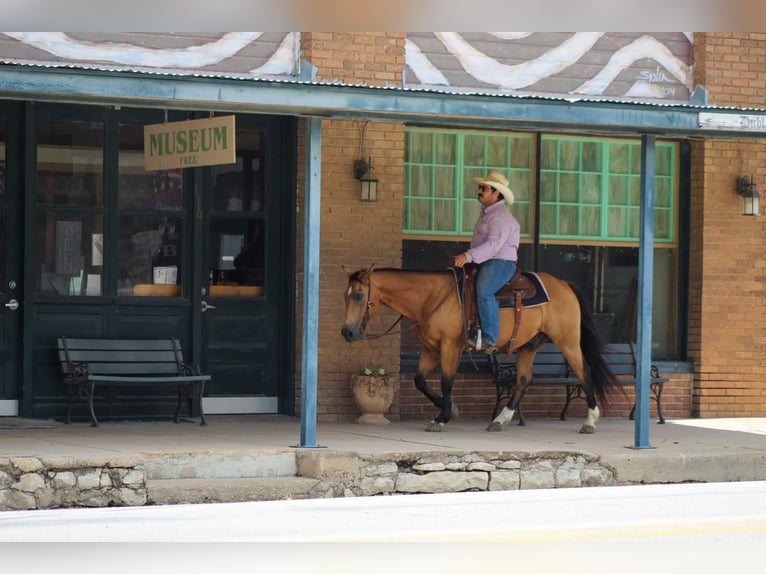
{"x": 150, "y": 222}
{"x": 237, "y": 222}
{"x": 69, "y": 207}
{"x": 589, "y": 216}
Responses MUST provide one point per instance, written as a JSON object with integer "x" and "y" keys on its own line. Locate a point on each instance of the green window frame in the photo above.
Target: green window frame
{"x": 589, "y": 187}
{"x": 440, "y": 194}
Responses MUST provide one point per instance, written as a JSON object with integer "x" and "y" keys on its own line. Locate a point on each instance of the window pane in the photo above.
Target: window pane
{"x": 445, "y": 215}
{"x": 471, "y": 211}
{"x": 548, "y": 154}
{"x": 569, "y": 184}
{"x": 548, "y": 186}
{"x": 568, "y": 220}
{"x": 236, "y": 256}
{"x": 444, "y": 148}
{"x": 662, "y": 224}
{"x": 591, "y": 188}
{"x": 473, "y": 150}
{"x": 617, "y": 224}
{"x": 445, "y": 182}
{"x": 547, "y": 219}
{"x": 519, "y": 184}
{"x": 70, "y": 163}
{"x": 420, "y": 181}
{"x": 591, "y": 221}
{"x": 69, "y": 253}
{"x": 591, "y": 156}
{"x": 618, "y": 190}
{"x": 497, "y": 152}
{"x": 419, "y": 214}
{"x": 570, "y": 155}
{"x": 663, "y": 160}
{"x": 149, "y": 256}
{"x": 662, "y": 195}
{"x": 520, "y": 152}
{"x": 618, "y": 158}
{"x": 419, "y": 149}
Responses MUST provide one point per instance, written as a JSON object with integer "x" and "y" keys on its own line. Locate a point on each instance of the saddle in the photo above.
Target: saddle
{"x": 517, "y": 288}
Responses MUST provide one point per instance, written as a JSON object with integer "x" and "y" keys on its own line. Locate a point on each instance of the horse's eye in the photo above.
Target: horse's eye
{"x": 358, "y": 295}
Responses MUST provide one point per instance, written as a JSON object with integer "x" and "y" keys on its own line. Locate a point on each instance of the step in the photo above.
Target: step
{"x": 231, "y": 464}
{"x": 201, "y": 490}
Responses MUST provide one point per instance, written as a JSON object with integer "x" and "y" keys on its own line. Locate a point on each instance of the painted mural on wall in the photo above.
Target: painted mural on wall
{"x": 245, "y": 54}
{"x": 630, "y": 65}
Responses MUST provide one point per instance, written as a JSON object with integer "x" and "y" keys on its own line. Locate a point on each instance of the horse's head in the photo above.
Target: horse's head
{"x": 361, "y": 303}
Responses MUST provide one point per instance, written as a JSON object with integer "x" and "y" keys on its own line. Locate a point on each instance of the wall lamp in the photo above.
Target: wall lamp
{"x": 369, "y": 183}
{"x": 362, "y": 171}
{"x": 750, "y": 195}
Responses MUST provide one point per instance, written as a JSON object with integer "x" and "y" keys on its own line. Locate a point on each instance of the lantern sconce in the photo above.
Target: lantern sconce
{"x": 750, "y": 195}
{"x": 362, "y": 171}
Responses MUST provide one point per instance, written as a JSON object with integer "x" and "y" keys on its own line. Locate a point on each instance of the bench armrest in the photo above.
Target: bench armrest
{"x": 77, "y": 370}
{"x": 189, "y": 369}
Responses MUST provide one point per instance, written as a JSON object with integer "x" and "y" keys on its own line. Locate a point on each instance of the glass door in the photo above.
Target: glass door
{"x": 11, "y": 293}
{"x": 243, "y": 299}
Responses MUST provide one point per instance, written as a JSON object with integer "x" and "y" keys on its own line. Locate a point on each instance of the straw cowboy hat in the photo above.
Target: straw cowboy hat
{"x": 499, "y": 182}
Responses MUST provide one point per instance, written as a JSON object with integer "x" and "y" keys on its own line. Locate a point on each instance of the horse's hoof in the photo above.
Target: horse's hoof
{"x": 454, "y": 411}
{"x": 433, "y": 426}
{"x": 587, "y": 429}
{"x": 495, "y": 426}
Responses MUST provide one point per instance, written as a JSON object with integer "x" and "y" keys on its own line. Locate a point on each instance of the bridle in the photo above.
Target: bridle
{"x": 366, "y": 318}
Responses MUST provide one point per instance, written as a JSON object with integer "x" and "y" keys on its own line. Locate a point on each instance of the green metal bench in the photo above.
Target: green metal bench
{"x": 87, "y": 363}
{"x": 550, "y": 368}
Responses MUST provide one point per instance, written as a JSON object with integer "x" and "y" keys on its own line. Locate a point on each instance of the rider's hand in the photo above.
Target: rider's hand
{"x": 461, "y": 260}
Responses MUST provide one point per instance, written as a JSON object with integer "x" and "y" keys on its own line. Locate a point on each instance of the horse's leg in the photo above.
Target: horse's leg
{"x": 573, "y": 354}
{"x": 525, "y": 357}
{"x": 426, "y": 364}
{"x": 450, "y": 355}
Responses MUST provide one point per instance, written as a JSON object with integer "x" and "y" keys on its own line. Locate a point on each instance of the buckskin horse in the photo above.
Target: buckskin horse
{"x": 432, "y": 301}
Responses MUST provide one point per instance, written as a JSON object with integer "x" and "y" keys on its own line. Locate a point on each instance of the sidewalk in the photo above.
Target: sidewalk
{"x": 704, "y": 450}
{"x": 47, "y": 464}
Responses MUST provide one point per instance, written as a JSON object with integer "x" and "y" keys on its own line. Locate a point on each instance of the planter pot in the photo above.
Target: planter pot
{"x": 373, "y": 396}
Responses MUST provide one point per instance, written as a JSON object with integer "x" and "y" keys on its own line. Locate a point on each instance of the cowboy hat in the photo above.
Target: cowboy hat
{"x": 498, "y": 181}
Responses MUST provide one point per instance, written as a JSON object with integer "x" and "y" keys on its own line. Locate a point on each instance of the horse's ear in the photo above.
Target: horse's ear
{"x": 346, "y": 271}
{"x": 369, "y": 269}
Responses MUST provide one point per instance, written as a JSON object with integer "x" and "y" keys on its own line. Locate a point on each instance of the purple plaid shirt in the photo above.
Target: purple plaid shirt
{"x": 495, "y": 235}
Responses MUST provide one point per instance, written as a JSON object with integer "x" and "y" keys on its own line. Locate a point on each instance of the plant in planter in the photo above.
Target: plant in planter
{"x": 374, "y": 391}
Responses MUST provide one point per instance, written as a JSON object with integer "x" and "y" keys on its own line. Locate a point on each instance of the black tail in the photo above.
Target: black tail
{"x": 592, "y": 346}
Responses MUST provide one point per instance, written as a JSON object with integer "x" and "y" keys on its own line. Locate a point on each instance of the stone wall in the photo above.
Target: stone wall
{"x": 28, "y": 483}
{"x": 348, "y": 474}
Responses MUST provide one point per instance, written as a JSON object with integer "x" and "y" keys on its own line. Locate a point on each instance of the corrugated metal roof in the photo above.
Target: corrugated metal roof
{"x": 417, "y": 89}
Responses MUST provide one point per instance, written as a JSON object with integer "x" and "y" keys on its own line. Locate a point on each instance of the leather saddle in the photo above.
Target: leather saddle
{"x": 517, "y": 288}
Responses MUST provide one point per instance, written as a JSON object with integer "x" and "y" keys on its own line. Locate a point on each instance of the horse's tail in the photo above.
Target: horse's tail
{"x": 592, "y": 345}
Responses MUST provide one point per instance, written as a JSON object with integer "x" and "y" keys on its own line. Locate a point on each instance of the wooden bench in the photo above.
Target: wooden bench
{"x": 550, "y": 368}
{"x": 87, "y": 363}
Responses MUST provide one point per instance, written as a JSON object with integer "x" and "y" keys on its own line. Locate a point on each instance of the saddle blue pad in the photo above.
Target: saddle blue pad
{"x": 540, "y": 298}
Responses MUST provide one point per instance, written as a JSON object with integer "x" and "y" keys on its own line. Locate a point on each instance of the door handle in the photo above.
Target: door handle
{"x": 206, "y": 306}
{"x": 12, "y": 304}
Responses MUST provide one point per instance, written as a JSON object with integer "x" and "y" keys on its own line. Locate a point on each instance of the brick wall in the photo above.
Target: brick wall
{"x": 727, "y": 341}
{"x": 353, "y": 233}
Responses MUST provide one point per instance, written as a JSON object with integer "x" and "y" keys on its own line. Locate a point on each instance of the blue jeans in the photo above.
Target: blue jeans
{"x": 493, "y": 274}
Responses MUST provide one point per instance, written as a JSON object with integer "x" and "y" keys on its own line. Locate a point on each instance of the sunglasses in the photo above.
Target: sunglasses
{"x": 487, "y": 187}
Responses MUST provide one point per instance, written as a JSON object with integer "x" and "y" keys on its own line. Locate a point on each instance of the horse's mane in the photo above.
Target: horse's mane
{"x": 412, "y": 270}
{"x": 357, "y": 275}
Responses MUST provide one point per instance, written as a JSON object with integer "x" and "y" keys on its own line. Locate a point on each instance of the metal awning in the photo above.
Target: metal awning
{"x": 461, "y": 109}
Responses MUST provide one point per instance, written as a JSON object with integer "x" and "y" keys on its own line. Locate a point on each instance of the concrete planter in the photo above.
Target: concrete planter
{"x": 373, "y": 396}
